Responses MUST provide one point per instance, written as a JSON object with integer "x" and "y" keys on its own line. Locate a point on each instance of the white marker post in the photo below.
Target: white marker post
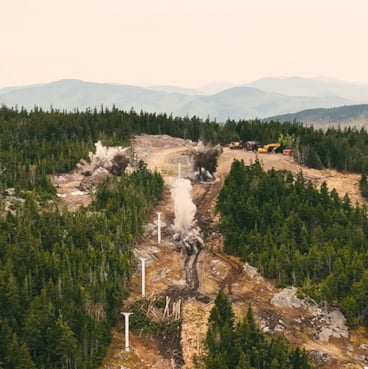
{"x": 158, "y": 227}
{"x": 143, "y": 260}
{"x": 126, "y": 316}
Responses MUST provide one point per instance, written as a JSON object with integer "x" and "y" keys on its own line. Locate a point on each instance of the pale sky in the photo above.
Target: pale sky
{"x": 184, "y": 43}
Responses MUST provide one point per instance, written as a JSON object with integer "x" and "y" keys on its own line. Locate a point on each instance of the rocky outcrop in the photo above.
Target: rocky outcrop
{"x": 326, "y": 324}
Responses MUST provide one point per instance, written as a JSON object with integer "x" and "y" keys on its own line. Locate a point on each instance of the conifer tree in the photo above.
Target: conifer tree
{"x": 243, "y": 362}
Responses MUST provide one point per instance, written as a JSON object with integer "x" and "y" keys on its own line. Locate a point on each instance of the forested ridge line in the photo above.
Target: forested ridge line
{"x": 38, "y": 143}
{"x": 298, "y": 235}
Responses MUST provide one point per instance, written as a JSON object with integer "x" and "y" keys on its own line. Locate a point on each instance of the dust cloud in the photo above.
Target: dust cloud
{"x": 205, "y": 161}
{"x": 112, "y": 159}
{"x": 184, "y": 207}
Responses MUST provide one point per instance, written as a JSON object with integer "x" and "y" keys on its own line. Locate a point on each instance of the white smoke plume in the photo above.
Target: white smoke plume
{"x": 184, "y": 207}
{"x": 104, "y": 156}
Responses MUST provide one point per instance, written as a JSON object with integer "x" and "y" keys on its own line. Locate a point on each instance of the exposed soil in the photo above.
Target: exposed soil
{"x": 165, "y": 271}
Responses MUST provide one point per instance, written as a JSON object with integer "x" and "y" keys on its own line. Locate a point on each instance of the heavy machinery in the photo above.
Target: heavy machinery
{"x": 235, "y": 145}
{"x": 270, "y": 148}
{"x": 252, "y": 145}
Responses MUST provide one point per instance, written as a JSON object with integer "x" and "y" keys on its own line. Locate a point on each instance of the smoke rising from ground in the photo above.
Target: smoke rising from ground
{"x": 205, "y": 161}
{"x": 184, "y": 207}
{"x": 187, "y": 234}
{"x": 112, "y": 159}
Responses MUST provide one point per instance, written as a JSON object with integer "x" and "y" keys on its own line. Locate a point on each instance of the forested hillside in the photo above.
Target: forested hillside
{"x": 325, "y": 117}
{"x": 243, "y": 345}
{"x": 63, "y": 276}
{"x": 298, "y": 235}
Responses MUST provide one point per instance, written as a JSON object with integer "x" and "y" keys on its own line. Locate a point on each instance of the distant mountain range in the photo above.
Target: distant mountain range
{"x": 352, "y": 115}
{"x": 262, "y": 98}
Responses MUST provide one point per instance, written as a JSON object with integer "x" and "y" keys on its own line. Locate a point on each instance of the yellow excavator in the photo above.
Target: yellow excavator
{"x": 236, "y": 145}
{"x": 271, "y": 148}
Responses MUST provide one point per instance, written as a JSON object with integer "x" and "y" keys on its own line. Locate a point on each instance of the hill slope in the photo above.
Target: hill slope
{"x": 217, "y": 270}
{"x": 353, "y": 115}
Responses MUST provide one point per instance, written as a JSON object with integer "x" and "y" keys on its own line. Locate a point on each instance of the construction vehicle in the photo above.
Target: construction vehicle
{"x": 252, "y": 145}
{"x": 235, "y": 145}
{"x": 269, "y": 148}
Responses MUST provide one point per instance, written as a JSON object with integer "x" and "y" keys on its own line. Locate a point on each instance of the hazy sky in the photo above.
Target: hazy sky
{"x": 187, "y": 42}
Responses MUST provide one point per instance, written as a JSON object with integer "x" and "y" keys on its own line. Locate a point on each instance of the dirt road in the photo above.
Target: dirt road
{"x": 165, "y": 273}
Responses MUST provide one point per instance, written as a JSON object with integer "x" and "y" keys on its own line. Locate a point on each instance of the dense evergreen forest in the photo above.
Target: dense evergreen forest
{"x": 298, "y": 235}
{"x": 63, "y": 276}
{"x": 242, "y": 345}
{"x": 35, "y": 144}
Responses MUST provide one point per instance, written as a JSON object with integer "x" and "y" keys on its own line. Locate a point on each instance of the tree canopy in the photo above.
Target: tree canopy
{"x": 298, "y": 235}
{"x": 38, "y": 143}
{"x": 63, "y": 276}
{"x": 242, "y": 345}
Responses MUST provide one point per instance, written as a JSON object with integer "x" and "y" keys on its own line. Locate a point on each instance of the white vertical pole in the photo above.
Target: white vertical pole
{"x": 158, "y": 227}
{"x": 143, "y": 260}
{"x": 135, "y": 161}
{"x": 126, "y": 316}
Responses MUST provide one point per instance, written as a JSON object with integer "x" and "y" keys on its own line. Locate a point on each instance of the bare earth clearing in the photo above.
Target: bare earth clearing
{"x": 322, "y": 333}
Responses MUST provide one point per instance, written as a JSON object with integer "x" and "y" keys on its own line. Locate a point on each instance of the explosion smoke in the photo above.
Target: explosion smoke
{"x": 110, "y": 158}
{"x": 183, "y": 205}
{"x": 187, "y": 234}
{"x": 205, "y": 161}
